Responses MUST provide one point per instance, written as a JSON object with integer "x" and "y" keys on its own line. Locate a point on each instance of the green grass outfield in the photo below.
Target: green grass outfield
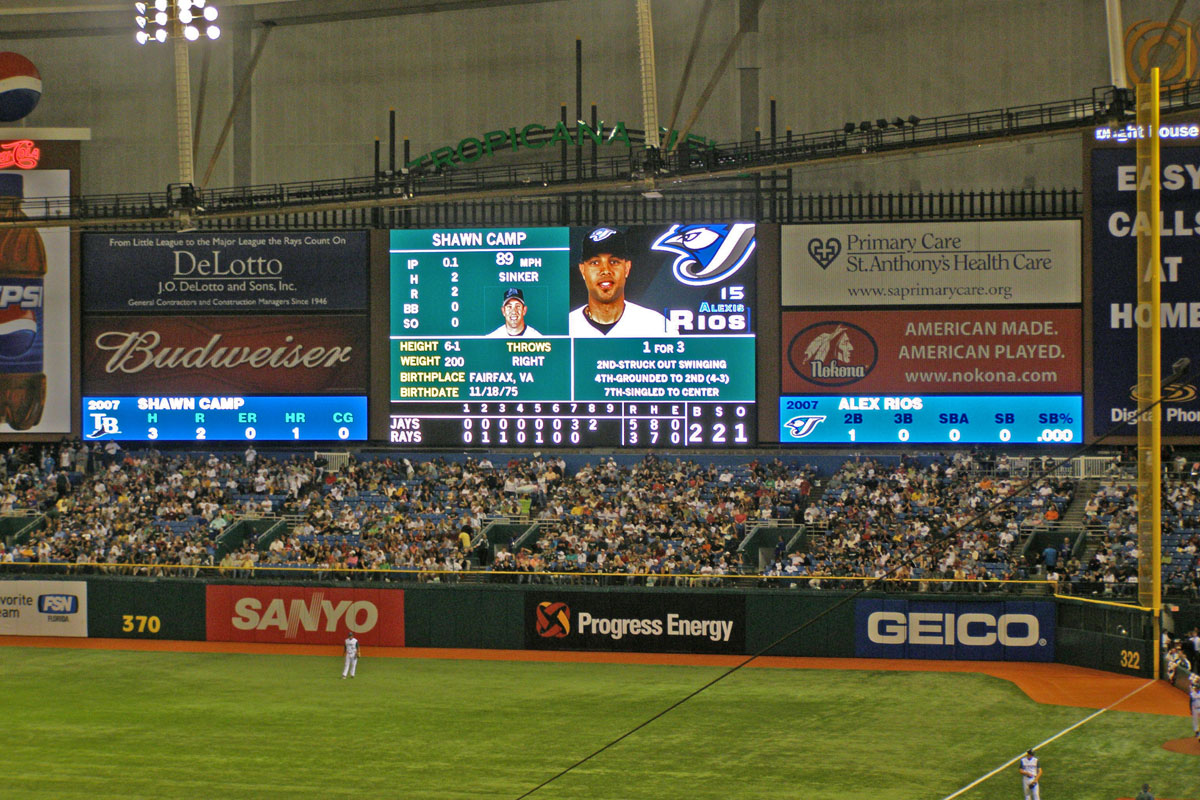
{"x": 100, "y": 724}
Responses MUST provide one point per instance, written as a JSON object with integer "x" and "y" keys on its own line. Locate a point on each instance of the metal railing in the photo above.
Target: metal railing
{"x": 356, "y": 201}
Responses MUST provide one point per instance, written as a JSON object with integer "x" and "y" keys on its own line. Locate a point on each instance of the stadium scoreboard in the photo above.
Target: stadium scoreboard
{"x": 931, "y": 419}
{"x": 491, "y": 344}
{"x": 226, "y": 418}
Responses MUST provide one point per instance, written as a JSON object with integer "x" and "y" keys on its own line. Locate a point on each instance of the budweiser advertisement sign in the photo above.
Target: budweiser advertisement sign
{"x": 304, "y": 615}
{"x": 253, "y": 354}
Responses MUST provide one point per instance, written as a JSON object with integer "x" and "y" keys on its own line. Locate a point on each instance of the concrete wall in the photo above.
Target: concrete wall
{"x": 321, "y": 93}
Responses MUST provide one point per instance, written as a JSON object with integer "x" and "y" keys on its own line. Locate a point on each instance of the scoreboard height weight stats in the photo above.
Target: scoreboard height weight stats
{"x": 579, "y": 337}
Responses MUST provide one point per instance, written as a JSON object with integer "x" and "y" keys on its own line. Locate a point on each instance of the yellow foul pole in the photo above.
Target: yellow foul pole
{"x": 1149, "y": 341}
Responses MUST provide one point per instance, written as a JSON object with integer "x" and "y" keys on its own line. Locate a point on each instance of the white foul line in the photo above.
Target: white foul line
{"x": 1060, "y": 734}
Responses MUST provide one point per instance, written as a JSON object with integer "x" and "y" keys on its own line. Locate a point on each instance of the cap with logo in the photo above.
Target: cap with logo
{"x": 513, "y": 293}
{"x": 614, "y": 241}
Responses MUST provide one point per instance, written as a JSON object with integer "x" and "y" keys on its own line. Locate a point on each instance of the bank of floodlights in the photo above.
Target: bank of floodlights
{"x": 155, "y": 17}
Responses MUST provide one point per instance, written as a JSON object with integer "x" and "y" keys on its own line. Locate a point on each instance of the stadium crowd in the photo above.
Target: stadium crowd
{"x": 657, "y": 520}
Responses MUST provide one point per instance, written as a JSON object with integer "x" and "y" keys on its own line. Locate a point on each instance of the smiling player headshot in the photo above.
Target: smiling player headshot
{"x": 513, "y": 308}
{"x": 605, "y": 264}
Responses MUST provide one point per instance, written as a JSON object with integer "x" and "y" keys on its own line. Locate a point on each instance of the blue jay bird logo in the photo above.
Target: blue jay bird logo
{"x": 708, "y": 254}
{"x": 803, "y": 425}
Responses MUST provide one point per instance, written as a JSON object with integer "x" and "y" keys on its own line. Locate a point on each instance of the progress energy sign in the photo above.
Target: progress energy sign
{"x": 225, "y": 336}
{"x": 43, "y": 608}
{"x": 1116, "y": 315}
{"x": 304, "y": 615}
{"x": 930, "y": 263}
{"x": 1012, "y": 630}
{"x": 667, "y": 623}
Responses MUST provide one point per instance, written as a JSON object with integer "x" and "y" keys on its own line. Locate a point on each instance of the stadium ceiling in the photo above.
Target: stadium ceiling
{"x": 52, "y": 19}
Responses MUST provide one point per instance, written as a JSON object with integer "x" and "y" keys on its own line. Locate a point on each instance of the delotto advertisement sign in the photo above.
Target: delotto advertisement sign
{"x": 304, "y": 615}
{"x": 205, "y": 273}
{"x": 43, "y": 608}
{"x": 638, "y": 623}
{"x": 999, "y": 631}
{"x": 932, "y": 263}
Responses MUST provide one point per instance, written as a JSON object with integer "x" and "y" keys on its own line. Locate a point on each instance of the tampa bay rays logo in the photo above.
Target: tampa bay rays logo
{"x": 708, "y": 254}
{"x": 803, "y": 425}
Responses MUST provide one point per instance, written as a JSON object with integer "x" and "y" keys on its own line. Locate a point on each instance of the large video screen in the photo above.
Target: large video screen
{"x": 225, "y": 336}
{"x": 577, "y": 337}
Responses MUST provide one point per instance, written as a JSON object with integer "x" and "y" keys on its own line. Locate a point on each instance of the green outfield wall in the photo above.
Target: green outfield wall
{"x": 550, "y": 616}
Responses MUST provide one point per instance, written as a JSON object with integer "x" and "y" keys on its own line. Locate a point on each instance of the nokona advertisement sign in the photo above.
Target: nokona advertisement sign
{"x": 304, "y": 615}
{"x": 986, "y": 631}
{"x": 670, "y": 623}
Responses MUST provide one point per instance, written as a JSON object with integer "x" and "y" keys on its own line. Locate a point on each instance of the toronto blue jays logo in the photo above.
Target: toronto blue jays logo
{"x": 803, "y": 425}
{"x": 600, "y": 234}
{"x": 708, "y": 254}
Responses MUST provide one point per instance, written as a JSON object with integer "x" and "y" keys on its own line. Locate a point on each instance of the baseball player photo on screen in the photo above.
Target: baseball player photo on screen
{"x": 671, "y": 280}
{"x": 514, "y": 309}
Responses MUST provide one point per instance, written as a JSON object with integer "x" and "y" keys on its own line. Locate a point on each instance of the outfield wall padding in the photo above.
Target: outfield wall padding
{"x": 145, "y": 609}
{"x": 555, "y": 616}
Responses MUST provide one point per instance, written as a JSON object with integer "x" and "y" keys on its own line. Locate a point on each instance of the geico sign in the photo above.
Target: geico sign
{"x": 972, "y": 629}
{"x": 317, "y": 614}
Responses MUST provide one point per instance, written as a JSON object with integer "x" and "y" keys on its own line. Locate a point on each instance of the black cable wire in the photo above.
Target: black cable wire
{"x": 1180, "y": 370}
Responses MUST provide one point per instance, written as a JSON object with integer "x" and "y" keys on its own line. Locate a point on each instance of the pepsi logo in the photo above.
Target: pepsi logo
{"x": 18, "y": 331}
{"x": 20, "y": 87}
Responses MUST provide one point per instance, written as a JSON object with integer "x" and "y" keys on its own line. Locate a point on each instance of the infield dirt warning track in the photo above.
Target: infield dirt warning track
{"x": 1053, "y": 684}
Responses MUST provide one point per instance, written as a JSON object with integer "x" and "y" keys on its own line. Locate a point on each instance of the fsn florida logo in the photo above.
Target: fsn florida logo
{"x": 553, "y": 620}
{"x": 707, "y": 254}
{"x": 833, "y": 353}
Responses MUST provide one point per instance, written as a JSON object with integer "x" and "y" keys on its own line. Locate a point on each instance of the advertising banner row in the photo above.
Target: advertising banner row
{"x": 266, "y": 323}
{"x": 535, "y": 618}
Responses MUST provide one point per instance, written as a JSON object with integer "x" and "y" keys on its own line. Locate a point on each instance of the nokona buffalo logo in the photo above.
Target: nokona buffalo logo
{"x": 833, "y": 353}
{"x": 707, "y": 253}
{"x": 553, "y": 620}
{"x": 824, "y": 252}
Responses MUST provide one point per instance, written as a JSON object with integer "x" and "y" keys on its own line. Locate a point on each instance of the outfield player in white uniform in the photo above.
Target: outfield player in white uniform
{"x": 1194, "y": 698}
{"x": 351, "y": 648}
{"x": 1031, "y": 776}
{"x": 604, "y": 263}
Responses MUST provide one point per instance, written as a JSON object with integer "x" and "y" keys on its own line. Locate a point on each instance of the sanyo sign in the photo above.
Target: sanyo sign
{"x": 1001, "y": 630}
{"x": 973, "y": 629}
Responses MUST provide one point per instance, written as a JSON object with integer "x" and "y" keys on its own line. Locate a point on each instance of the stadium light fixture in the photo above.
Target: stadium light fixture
{"x": 171, "y": 19}
{"x": 180, "y": 21}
